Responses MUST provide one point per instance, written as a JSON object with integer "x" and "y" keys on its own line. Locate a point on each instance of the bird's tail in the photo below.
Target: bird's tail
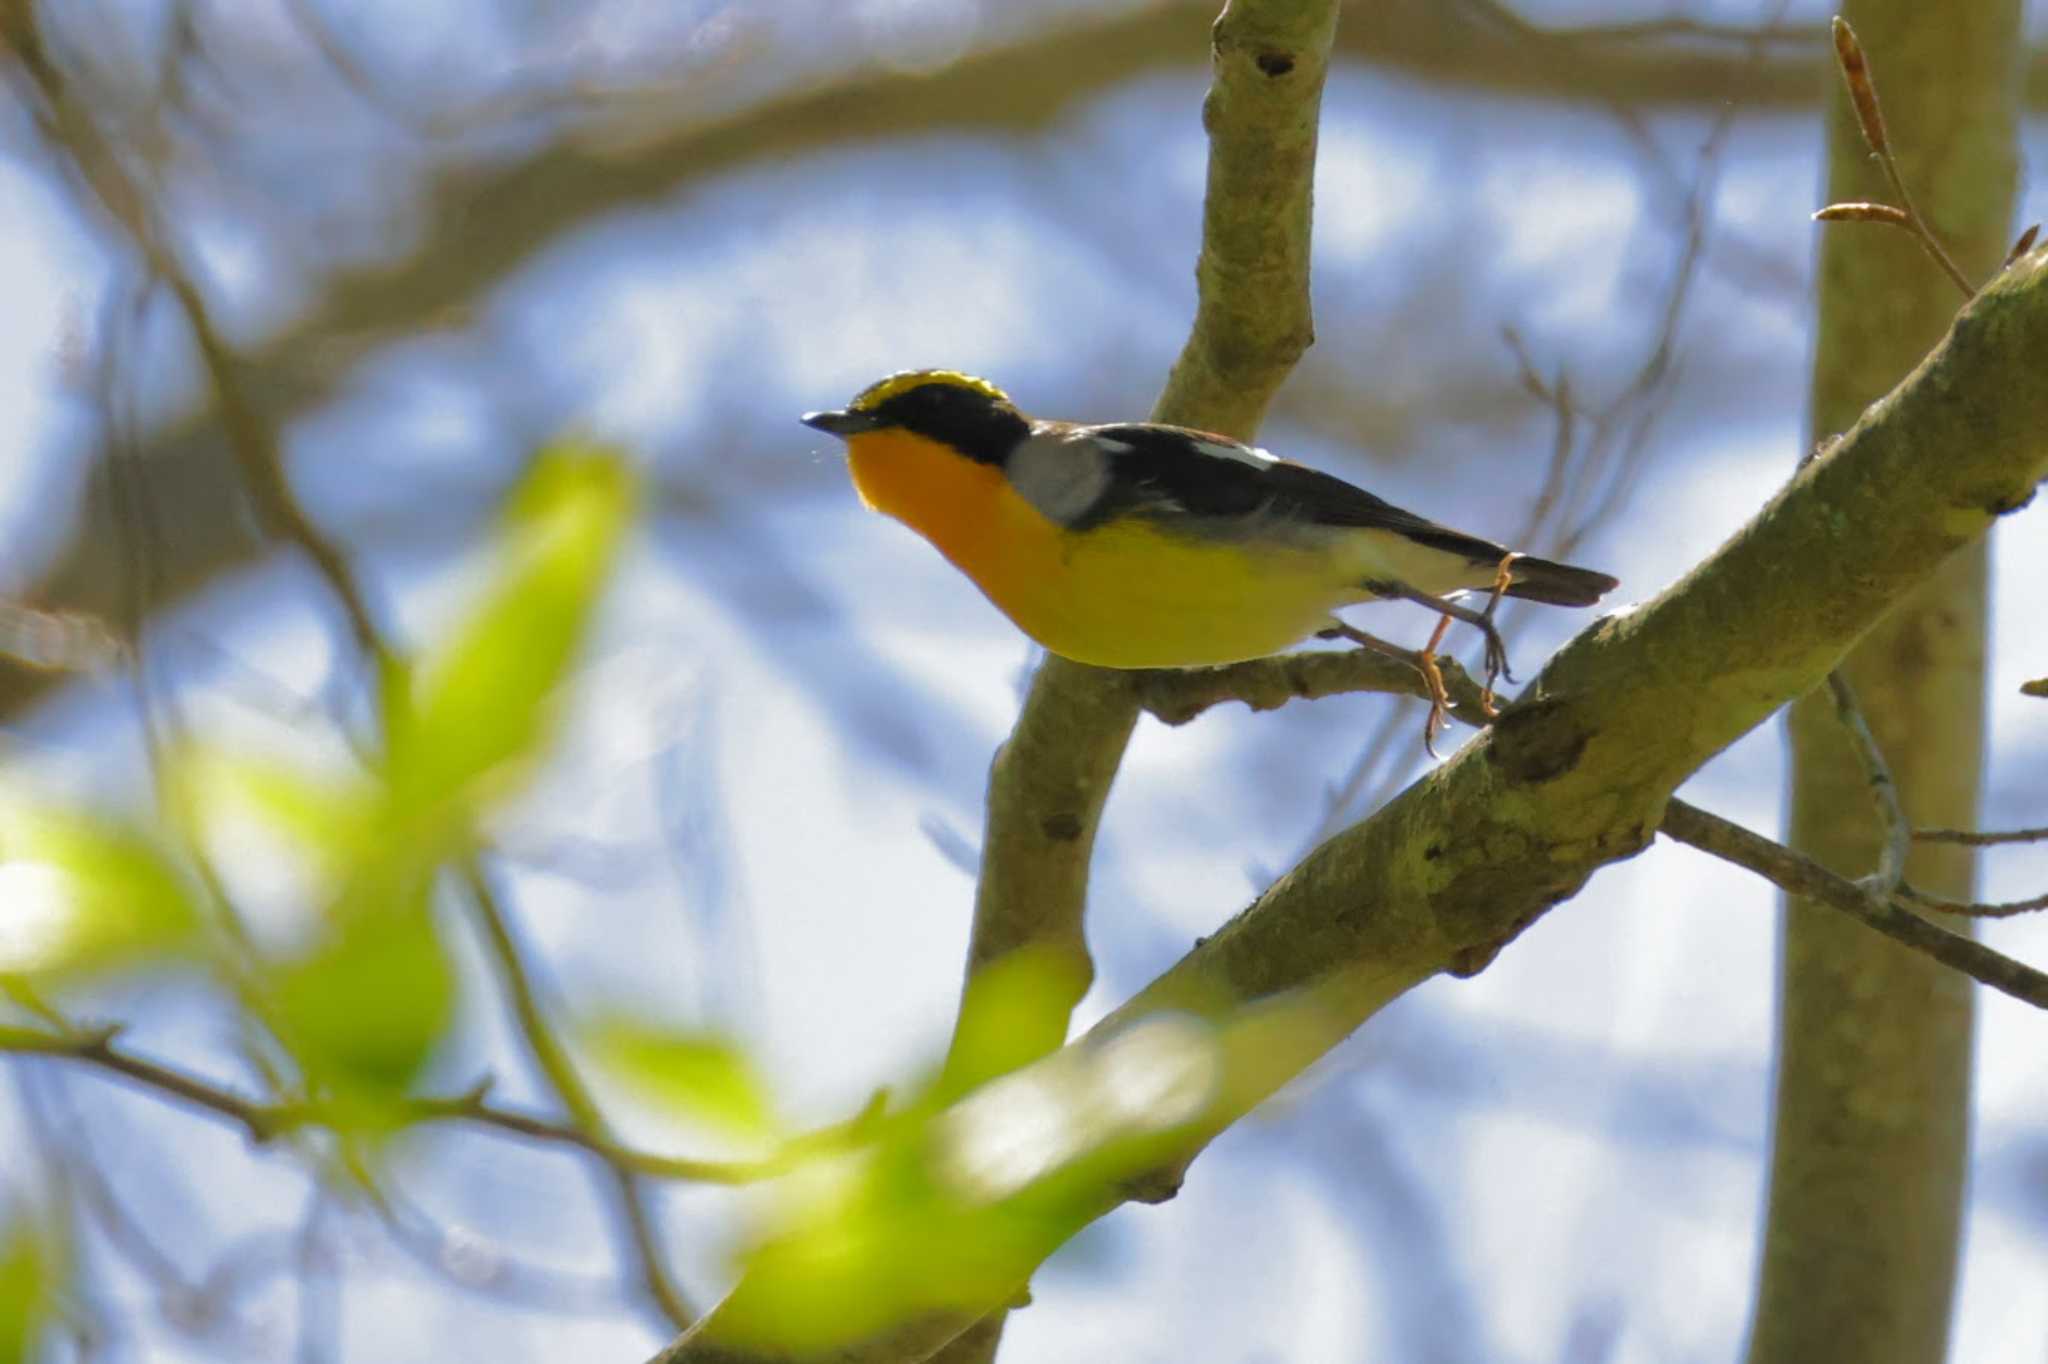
{"x": 1557, "y": 584}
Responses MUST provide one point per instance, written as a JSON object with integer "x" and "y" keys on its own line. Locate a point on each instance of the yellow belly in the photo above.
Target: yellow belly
{"x": 1129, "y": 596}
{"x": 1124, "y": 595}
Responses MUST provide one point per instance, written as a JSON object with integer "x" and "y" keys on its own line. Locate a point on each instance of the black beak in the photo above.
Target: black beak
{"x": 842, "y": 423}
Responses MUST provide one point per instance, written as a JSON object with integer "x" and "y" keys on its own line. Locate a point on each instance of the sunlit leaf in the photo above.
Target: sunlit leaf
{"x": 479, "y": 702}
{"x": 1014, "y": 1012}
{"x": 954, "y": 1206}
{"x": 694, "y": 1076}
{"x": 365, "y": 1010}
{"x": 27, "y": 1286}
{"x": 887, "y": 1245}
{"x": 81, "y": 894}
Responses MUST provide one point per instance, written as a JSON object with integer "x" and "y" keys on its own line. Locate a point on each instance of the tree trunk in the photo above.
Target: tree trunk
{"x": 1874, "y": 1042}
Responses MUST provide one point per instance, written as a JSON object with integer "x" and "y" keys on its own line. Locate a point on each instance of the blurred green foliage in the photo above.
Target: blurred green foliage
{"x": 949, "y": 1203}
{"x": 1013, "y": 1011}
{"x": 479, "y": 707}
{"x": 28, "y": 1280}
{"x": 365, "y": 1007}
{"x": 362, "y": 995}
{"x": 692, "y": 1076}
{"x": 82, "y": 895}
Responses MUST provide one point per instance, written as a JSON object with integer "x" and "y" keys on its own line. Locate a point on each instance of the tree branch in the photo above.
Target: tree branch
{"x": 1051, "y": 778}
{"x": 1797, "y": 874}
{"x": 1974, "y": 839}
{"x": 1265, "y": 684}
{"x": 1578, "y": 773}
{"x": 1049, "y": 781}
{"x": 266, "y": 1121}
{"x": 560, "y": 1073}
{"x": 1177, "y": 696}
{"x": 1884, "y": 792}
{"x": 72, "y": 131}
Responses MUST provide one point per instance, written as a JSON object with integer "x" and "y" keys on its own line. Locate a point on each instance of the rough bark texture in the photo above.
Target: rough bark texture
{"x": 1872, "y": 1110}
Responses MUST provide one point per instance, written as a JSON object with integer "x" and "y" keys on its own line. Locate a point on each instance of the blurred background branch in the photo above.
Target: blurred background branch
{"x": 617, "y": 149}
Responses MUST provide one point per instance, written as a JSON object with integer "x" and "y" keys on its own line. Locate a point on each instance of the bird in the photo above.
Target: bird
{"x": 1143, "y": 545}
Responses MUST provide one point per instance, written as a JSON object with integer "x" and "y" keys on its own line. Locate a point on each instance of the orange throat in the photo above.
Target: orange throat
{"x": 947, "y": 498}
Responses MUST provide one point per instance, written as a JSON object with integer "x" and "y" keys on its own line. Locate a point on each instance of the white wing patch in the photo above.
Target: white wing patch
{"x": 1243, "y": 454}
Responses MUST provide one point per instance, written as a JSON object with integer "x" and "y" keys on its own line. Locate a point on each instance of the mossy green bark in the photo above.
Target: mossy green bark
{"x": 1576, "y": 775}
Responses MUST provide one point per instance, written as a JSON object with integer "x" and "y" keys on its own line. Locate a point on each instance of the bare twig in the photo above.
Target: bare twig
{"x": 1898, "y": 834}
{"x": 2037, "y": 687}
{"x": 262, "y": 1122}
{"x": 1973, "y": 838}
{"x": 1264, "y": 684}
{"x": 1862, "y": 86}
{"x": 70, "y": 128}
{"x": 559, "y": 1070}
{"x": 1800, "y": 875}
{"x": 265, "y": 1121}
{"x": 1252, "y": 322}
{"x": 1597, "y": 452}
{"x": 1937, "y": 904}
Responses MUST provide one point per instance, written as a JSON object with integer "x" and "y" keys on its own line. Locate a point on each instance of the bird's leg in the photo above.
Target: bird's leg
{"x": 1496, "y": 649}
{"x": 1424, "y": 663}
{"x": 1440, "y": 696}
{"x": 1503, "y": 578}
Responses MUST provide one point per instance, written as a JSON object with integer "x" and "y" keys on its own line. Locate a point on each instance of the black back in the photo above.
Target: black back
{"x": 1167, "y": 467}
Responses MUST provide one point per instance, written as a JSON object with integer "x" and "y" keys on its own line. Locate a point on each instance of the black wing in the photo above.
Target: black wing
{"x": 1170, "y": 468}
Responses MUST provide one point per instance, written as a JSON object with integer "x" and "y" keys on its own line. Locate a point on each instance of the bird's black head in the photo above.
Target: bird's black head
{"x": 971, "y": 415}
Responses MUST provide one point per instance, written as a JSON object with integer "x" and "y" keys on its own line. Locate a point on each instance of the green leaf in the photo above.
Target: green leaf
{"x": 82, "y": 895}
{"x": 693, "y": 1075}
{"x": 334, "y": 817}
{"x": 480, "y": 703}
{"x": 1015, "y": 1011}
{"x": 364, "y": 1011}
{"x": 880, "y": 1242}
{"x": 952, "y": 1208}
{"x": 27, "y": 1287}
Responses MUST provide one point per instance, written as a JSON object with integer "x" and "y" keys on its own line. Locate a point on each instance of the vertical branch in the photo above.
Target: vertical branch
{"x": 1872, "y": 1101}
{"x": 1252, "y": 318}
{"x": 1049, "y": 781}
